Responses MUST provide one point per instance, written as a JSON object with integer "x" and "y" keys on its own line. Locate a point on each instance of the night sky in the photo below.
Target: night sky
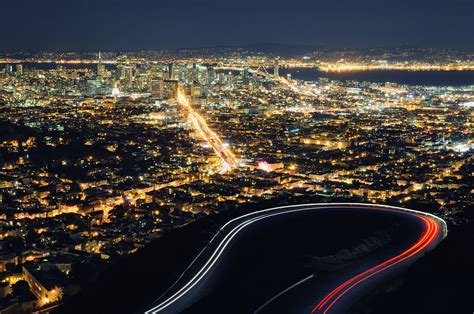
{"x": 161, "y": 24}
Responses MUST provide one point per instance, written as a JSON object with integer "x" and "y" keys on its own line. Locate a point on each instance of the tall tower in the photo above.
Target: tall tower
{"x": 170, "y": 88}
{"x": 19, "y": 69}
{"x": 170, "y": 71}
{"x": 8, "y": 68}
{"x": 276, "y": 69}
{"x": 157, "y": 88}
{"x": 100, "y": 66}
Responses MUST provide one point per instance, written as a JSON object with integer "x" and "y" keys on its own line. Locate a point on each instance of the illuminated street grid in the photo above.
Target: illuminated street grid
{"x": 98, "y": 160}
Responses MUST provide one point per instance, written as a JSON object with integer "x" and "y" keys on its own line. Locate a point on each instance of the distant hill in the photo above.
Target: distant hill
{"x": 266, "y": 48}
{"x": 282, "y": 49}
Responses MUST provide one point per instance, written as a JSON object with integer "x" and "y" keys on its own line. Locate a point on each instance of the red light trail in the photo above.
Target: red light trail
{"x": 430, "y": 233}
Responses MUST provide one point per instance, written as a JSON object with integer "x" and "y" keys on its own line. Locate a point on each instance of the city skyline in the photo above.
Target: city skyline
{"x": 107, "y": 154}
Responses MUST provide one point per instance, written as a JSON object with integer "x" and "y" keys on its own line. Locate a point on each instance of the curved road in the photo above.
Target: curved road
{"x": 180, "y": 295}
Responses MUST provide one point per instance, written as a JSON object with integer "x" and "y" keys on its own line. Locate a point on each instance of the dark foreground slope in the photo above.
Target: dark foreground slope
{"x": 132, "y": 284}
{"x": 136, "y": 280}
{"x": 441, "y": 282}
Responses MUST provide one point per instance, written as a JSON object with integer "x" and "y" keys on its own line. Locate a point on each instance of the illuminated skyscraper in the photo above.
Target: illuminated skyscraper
{"x": 157, "y": 88}
{"x": 221, "y": 78}
{"x": 196, "y": 89}
{"x": 171, "y": 88}
{"x": 8, "y": 68}
{"x": 211, "y": 77}
{"x": 276, "y": 69}
{"x": 170, "y": 71}
{"x": 126, "y": 74}
{"x": 100, "y": 67}
{"x": 19, "y": 69}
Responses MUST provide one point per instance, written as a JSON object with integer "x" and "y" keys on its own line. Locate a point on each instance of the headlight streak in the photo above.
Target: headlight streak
{"x": 431, "y": 231}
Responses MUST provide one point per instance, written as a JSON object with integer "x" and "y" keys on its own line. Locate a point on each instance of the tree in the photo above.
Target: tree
{"x": 20, "y": 288}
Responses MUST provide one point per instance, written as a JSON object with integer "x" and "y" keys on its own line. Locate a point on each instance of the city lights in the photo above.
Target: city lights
{"x": 103, "y": 153}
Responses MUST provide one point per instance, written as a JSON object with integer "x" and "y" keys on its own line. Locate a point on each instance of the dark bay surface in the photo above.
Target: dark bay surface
{"x": 424, "y": 78}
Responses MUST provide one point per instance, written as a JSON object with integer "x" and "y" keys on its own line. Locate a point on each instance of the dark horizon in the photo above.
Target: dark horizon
{"x": 253, "y": 47}
{"x": 163, "y": 25}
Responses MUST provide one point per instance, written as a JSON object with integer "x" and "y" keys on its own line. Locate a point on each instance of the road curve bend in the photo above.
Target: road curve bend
{"x": 434, "y": 231}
